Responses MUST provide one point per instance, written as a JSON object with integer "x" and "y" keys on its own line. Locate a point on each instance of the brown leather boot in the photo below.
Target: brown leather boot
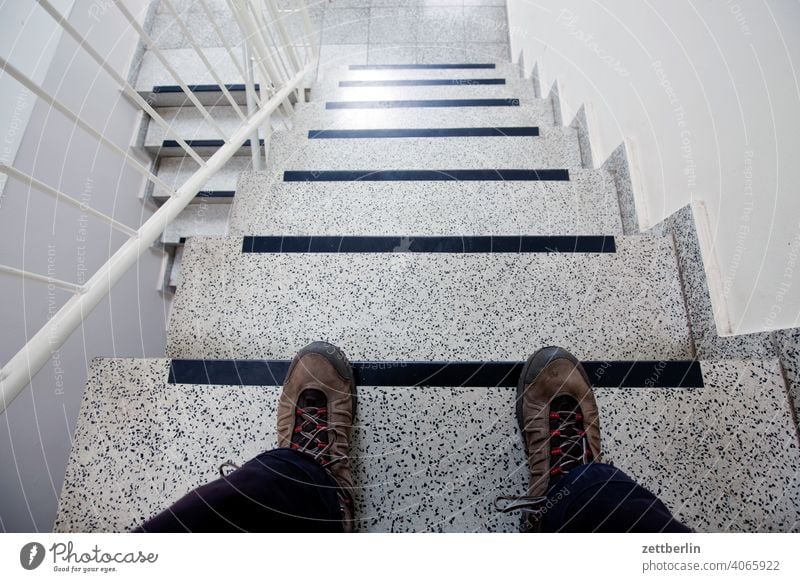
{"x": 316, "y": 411}
{"x": 560, "y": 426}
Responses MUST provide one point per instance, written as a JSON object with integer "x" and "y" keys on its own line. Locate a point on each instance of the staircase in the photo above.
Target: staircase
{"x": 435, "y": 222}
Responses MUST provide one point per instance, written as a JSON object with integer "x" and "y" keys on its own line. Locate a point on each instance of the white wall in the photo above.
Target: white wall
{"x": 32, "y": 55}
{"x": 55, "y": 240}
{"x": 707, "y": 99}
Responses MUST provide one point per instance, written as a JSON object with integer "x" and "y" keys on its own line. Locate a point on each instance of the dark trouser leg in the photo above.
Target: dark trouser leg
{"x": 278, "y": 491}
{"x": 600, "y": 498}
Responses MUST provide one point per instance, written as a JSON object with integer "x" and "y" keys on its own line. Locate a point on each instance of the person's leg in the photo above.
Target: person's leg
{"x": 279, "y": 491}
{"x": 600, "y": 498}
{"x": 569, "y": 489}
{"x": 306, "y": 484}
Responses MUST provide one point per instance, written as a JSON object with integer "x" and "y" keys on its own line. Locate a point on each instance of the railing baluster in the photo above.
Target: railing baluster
{"x": 160, "y": 56}
{"x": 7, "y": 67}
{"x": 250, "y": 91}
{"x": 126, "y": 87}
{"x": 72, "y": 287}
{"x": 65, "y": 198}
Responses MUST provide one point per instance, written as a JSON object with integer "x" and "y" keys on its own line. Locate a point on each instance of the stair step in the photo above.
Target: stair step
{"x": 437, "y": 461}
{"x": 418, "y": 66}
{"x": 601, "y": 374}
{"x": 315, "y": 116}
{"x": 191, "y": 126}
{"x": 346, "y": 72}
{"x": 427, "y": 103}
{"x": 175, "y": 269}
{"x": 203, "y": 147}
{"x": 555, "y": 147}
{"x": 336, "y": 90}
{"x": 199, "y": 219}
{"x": 586, "y": 204}
{"x": 192, "y": 70}
{"x": 219, "y": 188}
{"x": 450, "y": 306}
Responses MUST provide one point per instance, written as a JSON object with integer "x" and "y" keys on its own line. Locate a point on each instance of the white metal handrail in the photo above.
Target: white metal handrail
{"x": 280, "y": 71}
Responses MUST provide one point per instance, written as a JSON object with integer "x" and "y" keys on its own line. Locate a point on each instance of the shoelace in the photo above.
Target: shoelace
{"x": 310, "y": 425}
{"x": 572, "y": 451}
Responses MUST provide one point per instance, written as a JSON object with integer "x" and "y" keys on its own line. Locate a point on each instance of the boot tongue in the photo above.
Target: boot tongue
{"x": 312, "y": 398}
{"x": 569, "y": 442}
{"x": 310, "y": 402}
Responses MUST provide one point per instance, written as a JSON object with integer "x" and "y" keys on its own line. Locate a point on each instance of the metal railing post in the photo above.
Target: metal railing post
{"x": 250, "y": 91}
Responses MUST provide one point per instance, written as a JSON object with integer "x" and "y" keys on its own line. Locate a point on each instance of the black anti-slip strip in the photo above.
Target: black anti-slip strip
{"x": 201, "y": 143}
{"x": 610, "y": 374}
{"x": 426, "y": 175}
{"x": 510, "y": 102}
{"x": 421, "y": 82}
{"x": 429, "y": 244}
{"x": 200, "y": 88}
{"x": 427, "y": 66}
{"x": 429, "y": 132}
{"x": 215, "y": 194}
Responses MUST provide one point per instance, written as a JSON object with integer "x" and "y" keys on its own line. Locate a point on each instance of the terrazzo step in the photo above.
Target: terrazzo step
{"x": 723, "y": 457}
{"x": 175, "y": 268}
{"x": 160, "y": 89}
{"x": 442, "y": 70}
{"x": 190, "y": 124}
{"x": 586, "y": 204}
{"x": 204, "y": 147}
{"x": 315, "y": 116}
{"x": 199, "y": 219}
{"x": 220, "y": 187}
{"x": 408, "y": 89}
{"x": 554, "y": 147}
{"x": 193, "y": 71}
{"x": 459, "y": 298}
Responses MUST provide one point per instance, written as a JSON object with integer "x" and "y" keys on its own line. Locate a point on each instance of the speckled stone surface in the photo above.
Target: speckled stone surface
{"x": 708, "y": 344}
{"x": 502, "y": 68}
{"x": 788, "y": 345}
{"x": 315, "y": 116}
{"x": 723, "y": 458}
{"x": 168, "y": 35}
{"x": 536, "y": 80}
{"x": 468, "y": 89}
{"x": 198, "y": 219}
{"x": 618, "y": 165}
{"x": 189, "y": 66}
{"x": 581, "y": 126}
{"x": 555, "y": 99}
{"x": 189, "y": 123}
{"x": 553, "y": 148}
{"x": 622, "y": 305}
{"x": 265, "y": 204}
